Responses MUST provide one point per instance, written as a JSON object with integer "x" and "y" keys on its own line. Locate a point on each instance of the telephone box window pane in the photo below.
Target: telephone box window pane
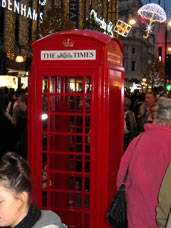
{"x": 44, "y": 121}
{"x": 86, "y": 201}
{"x": 88, "y": 84}
{"x": 59, "y": 199}
{"x": 66, "y": 84}
{"x": 60, "y": 143}
{"x": 66, "y": 104}
{"x": 59, "y": 103}
{"x": 88, "y": 104}
{"x": 44, "y": 103}
{"x": 65, "y": 200}
{"x": 59, "y": 123}
{"x": 66, "y": 182}
{"x": 75, "y": 145}
{"x": 76, "y": 124}
{"x": 87, "y": 166}
{"x": 87, "y": 184}
{"x": 45, "y": 84}
{"x": 66, "y": 162}
{"x": 56, "y": 84}
{"x": 44, "y": 198}
{"x": 44, "y": 142}
{"x": 76, "y": 104}
{"x": 75, "y": 163}
{"x": 75, "y": 201}
{"x": 76, "y": 84}
{"x": 72, "y": 124}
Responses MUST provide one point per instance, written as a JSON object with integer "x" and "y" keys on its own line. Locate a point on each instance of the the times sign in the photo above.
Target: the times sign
{"x": 74, "y": 12}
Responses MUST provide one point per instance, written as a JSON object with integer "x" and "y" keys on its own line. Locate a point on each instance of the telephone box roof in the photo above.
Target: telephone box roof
{"x": 100, "y": 37}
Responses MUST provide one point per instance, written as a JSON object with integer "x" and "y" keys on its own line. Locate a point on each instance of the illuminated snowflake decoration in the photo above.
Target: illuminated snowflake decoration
{"x": 154, "y": 13}
{"x": 42, "y": 2}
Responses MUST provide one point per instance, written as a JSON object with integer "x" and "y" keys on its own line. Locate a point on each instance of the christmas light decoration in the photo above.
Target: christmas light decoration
{"x": 154, "y": 13}
{"x": 42, "y": 2}
{"x": 122, "y": 28}
{"x": 9, "y": 41}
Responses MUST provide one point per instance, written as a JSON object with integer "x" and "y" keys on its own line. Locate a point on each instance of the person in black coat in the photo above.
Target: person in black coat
{"x": 21, "y": 126}
{"x": 7, "y": 136}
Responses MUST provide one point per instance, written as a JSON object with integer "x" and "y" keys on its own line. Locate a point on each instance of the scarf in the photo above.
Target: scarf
{"x": 31, "y": 218}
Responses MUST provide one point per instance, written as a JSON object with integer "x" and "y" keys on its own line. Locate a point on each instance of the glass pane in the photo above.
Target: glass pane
{"x": 44, "y": 142}
{"x": 44, "y": 103}
{"x": 66, "y": 84}
{"x": 88, "y": 104}
{"x": 66, "y": 104}
{"x": 60, "y": 143}
{"x": 45, "y": 84}
{"x": 44, "y": 121}
{"x": 76, "y": 84}
{"x": 59, "y": 200}
{"x": 87, "y": 165}
{"x": 88, "y": 84}
{"x": 86, "y": 201}
{"x": 87, "y": 184}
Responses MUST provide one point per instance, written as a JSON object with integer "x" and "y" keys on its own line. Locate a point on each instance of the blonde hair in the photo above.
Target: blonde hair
{"x": 164, "y": 112}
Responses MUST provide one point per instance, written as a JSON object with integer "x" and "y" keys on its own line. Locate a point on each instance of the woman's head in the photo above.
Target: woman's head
{"x": 15, "y": 172}
{"x": 15, "y": 189}
{"x": 164, "y": 112}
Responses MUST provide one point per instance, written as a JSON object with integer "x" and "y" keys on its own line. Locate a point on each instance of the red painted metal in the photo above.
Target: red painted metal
{"x": 75, "y": 151}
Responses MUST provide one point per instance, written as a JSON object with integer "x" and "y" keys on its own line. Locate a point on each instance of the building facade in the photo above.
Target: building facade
{"x": 20, "y": 23}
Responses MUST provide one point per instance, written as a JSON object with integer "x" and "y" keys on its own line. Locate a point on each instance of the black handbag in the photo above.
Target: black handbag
{"x": 117, "y": 214}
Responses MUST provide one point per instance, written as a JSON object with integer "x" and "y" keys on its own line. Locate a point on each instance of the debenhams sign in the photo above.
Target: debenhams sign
{"x": 22, "y": 9}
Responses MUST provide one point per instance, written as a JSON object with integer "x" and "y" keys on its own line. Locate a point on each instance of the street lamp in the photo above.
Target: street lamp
{"x": 20, "y": 58}
{"x": 132, "y": 21}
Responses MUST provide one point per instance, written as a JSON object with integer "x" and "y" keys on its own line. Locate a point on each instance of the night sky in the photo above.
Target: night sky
{"x": 167, "y": 4}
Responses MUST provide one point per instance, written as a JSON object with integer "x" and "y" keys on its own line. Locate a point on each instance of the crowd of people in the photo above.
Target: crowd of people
{"x": 147, "y": 157}
{"x": 147, "y": 146}
{"x": 13, "y": 121}
{"x": 139, "y": 108}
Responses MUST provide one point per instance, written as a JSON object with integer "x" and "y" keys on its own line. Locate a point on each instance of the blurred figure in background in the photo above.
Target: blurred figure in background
{"x": 4, "y": 98}
{"x": 129, "y": 123}
{"x": 144, "y": 114}
{"x": 11, "y": 108}
{"x": 7, "y": 136}
{"x": 21, "y": 126}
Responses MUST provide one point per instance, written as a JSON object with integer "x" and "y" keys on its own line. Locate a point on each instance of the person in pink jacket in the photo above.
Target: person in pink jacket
{"x": 147, "y": 157}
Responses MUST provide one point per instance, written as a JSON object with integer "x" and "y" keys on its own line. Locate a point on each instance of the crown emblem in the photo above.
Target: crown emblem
{"x": 68, "y": 43}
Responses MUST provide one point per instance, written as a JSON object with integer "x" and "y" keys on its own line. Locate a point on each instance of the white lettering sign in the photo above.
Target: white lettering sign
{"x": 102, "y": 23}
{"x": 23, "y": 9}
{"x": 69, "y": 55}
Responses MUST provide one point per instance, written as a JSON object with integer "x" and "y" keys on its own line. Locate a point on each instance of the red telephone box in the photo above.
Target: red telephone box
{"x": 75, "y": 112}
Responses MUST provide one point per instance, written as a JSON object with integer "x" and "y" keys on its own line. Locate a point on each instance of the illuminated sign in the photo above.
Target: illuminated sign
{"x": 74, "y": 12}
{"x": 112, "y": 57}
{"x": 22, "y": 9}
{"x": 122, "y": 28}
{"x": 102, "y": 23}
{"x": 69, "y": 55}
